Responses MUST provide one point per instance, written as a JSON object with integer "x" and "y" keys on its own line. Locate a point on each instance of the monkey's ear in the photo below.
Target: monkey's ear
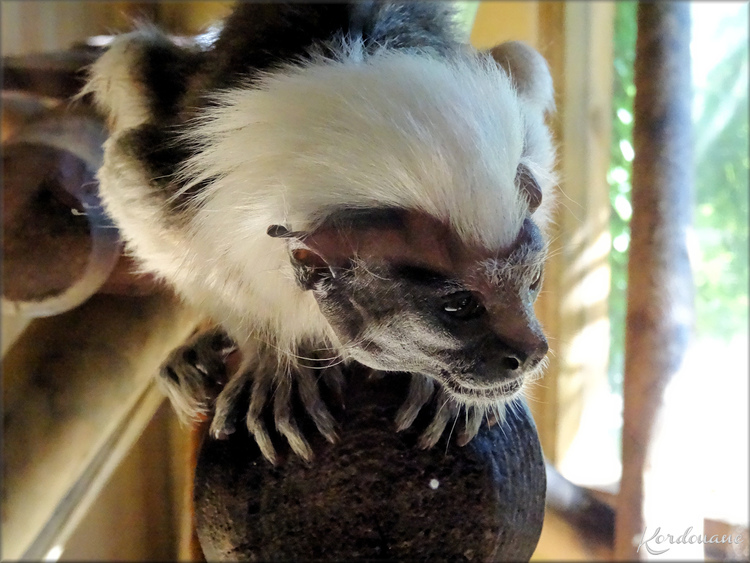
{"x": 528, "y": 71}
{"x": 309, "y": 265}
{"x": 529, "y": 186}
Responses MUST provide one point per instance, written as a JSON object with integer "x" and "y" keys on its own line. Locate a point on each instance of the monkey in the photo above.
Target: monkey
{"x": 336, "y": 184}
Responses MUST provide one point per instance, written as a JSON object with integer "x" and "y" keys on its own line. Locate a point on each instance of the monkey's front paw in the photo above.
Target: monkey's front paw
{"x": 270, "y": 384}
{"x": 193, "y": 373}
{"x": 422, "y": 390}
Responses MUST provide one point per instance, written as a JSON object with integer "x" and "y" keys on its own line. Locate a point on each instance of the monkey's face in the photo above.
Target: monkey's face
{"x": 403, "y": 293}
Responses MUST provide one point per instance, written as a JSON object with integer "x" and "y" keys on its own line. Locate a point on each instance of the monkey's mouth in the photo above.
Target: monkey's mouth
{"x": 468, "y": 393}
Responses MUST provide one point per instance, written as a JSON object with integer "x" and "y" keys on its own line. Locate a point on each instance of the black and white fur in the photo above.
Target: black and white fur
{"x": 342, "y": 182}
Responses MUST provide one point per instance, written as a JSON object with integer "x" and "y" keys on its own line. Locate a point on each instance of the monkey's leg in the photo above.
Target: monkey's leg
{"x": 193, "y": 374}
{"x": 422, "y": 390}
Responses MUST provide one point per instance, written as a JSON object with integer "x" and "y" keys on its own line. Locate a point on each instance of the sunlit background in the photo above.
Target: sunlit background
{"x": 707, "y": 403}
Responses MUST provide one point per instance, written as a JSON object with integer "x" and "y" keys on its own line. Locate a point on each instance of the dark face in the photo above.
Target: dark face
{"x": 405, "y": 295}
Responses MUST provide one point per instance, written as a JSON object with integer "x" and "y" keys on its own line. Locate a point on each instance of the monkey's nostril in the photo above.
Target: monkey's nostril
{"x": 510, "y": 363}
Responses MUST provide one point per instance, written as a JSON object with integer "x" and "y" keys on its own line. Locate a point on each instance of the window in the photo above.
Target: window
{"x": 713, "y": 386}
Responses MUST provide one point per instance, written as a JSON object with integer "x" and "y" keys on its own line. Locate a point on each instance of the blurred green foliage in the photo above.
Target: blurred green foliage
{"x": 618, "y": 178}
{"x": 721, "y": 192}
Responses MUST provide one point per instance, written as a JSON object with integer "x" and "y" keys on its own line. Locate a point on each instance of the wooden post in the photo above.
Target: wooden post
{"x": 374, "y": 495}
{"x": 660, "y": 288}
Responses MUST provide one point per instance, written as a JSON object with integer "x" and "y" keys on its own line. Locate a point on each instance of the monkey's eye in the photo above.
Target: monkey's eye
{"x": 462, "y": 305}
{"x": 536, "y": 284}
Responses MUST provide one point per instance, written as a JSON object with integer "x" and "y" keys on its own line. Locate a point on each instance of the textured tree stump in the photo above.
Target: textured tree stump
{"x": 375, "y": 495}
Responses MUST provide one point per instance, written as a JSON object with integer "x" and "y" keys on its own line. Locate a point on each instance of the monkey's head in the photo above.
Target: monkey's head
{"x": 403, "y": 293}
{"x": 445, "y": 286}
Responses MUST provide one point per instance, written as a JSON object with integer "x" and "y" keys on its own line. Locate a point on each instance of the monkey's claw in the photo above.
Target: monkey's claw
{"x": 268, "y": 385}
{"x": 421, "y": 391}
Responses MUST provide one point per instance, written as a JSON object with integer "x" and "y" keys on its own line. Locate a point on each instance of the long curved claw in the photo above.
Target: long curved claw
{"x": 285, "y": 423}
{"x": 254, "y": 418}
{"x": 421, "y": 389}
{"x": 333, "y": 378}
{"x": 227, "y": 407}
{"x": 473, "y": 421}
{"x": 310, "y": 395}
{"x": 447, "y": 411}
{"x": 424, "y": 389}
{"x": 194, "y": 374}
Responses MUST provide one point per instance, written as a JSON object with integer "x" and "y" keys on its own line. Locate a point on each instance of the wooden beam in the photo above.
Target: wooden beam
{"x": 78, "y": 389}
{"x": 576, "y": 40}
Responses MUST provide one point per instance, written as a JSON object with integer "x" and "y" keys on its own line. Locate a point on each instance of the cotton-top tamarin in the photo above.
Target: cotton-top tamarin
{"x": 338, "y": 183}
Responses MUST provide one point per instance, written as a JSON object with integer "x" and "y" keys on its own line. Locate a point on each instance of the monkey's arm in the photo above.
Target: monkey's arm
{"x": 208, "y": 377}
{"x": 196, "y": 373}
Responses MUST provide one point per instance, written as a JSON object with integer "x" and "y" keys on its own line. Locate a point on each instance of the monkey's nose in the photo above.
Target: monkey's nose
{"x": 511, "y": 362}
{"x": 519, "y": 356}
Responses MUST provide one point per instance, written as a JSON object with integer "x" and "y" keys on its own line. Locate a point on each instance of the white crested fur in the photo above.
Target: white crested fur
{"x": 399, "y": 129}
{"x": 393, "y": 128}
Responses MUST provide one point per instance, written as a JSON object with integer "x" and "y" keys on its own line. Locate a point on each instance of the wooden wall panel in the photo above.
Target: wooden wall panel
{"x": 496, "y": 22}
{"x": 577, "y": 41}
